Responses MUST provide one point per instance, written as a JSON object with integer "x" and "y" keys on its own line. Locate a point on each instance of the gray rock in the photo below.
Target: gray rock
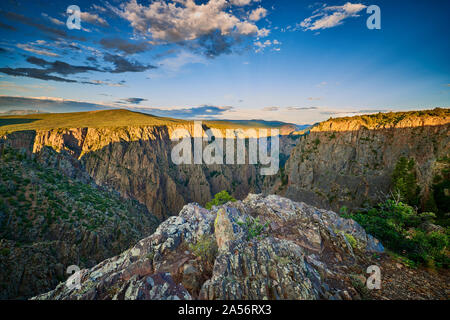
{"x": 302, "y": 254}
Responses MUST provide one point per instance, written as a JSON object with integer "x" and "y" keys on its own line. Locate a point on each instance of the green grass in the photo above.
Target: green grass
{"x": 92, "y": 119}
{"x": 108, "y": 119}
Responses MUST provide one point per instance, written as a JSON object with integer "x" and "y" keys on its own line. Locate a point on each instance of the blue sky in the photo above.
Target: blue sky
{"x": 294, "y": 61}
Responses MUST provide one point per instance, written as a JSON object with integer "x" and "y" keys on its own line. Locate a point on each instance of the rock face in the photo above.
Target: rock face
{"x": 53, "y": 215}
{"x": 136, "y": 162}
{"x": 350, "y": 161}
{"x": 259, "y": 248}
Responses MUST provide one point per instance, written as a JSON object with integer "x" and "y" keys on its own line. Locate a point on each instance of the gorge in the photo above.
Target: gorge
{"x": 346, "y": 162}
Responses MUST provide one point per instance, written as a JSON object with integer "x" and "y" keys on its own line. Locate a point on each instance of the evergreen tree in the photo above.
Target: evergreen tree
{"x": 404, "y": 181}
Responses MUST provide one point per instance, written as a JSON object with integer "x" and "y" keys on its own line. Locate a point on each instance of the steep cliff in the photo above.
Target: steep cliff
{"x": 53, "y": 215}
{"x": 349, "y": 161}
{"x": 136, "y": 160}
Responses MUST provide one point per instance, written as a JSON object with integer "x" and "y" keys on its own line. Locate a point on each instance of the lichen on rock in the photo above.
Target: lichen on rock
{"x": 303, "y": 255}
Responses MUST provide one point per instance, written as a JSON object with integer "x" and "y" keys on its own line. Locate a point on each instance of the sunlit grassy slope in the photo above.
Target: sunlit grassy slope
{"x": 106, "y": 118}
{"x": 92, "y": 119}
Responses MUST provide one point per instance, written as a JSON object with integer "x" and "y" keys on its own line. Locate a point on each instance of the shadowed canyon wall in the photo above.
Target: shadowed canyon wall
{"x": 346, "y": 161}
{"x": 350, "y": 161}
{"x": 136, "y": 162}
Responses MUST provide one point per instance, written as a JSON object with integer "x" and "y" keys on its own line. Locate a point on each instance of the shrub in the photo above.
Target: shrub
{"x": 254, "y": 227}
{"x": 398, "y": 226}
{"x": 205, "y": 248}
{"x": 351, "y": 239}
{"x": 5, "y": 252}
{"x": 404, "y": 181}
{"x": 440, "y": 195}
{"x": 317, "y": 142}
{"x": 221, "y": 198}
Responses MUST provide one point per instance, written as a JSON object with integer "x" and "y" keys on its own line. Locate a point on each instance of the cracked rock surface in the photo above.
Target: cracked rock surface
{"x": 297, "y": 252}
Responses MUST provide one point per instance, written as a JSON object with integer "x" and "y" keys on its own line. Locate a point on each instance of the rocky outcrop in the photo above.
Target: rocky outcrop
{"x": 260, "y": 248}
{"x": 349, "y": 161}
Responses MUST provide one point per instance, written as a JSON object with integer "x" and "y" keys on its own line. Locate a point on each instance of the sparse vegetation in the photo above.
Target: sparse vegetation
{"x": 404, "y": 181}
{"x": 403, "y": 230}
{"x": 254, "y": 227}
{"x": 439, "y": 199}
{"x": 205, "y": 248}
{"x": 36, "y": 198}
{"x": 391, "y": 118}
{"x": 351, "y": 239}
{"x": 116, "y": 118}
{"x": 221, "y": 198}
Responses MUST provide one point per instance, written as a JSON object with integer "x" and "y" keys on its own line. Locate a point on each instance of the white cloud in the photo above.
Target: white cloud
{"x": 260, "y": 46}
{"x": 93, "y": 18}
{"x": 241, "y": 2}
{"x": 263, "y": 32}
{"x": 258, "y": 14}
{"x": 39, "y": 51}
{"x": 332, "y": 16}
{"x": 182, "y": 20}
{"x": 53, "y": 20}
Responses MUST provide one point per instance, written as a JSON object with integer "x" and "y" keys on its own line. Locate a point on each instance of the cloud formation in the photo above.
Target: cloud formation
{"x": 213, "y": 24}
{"x": 94, "y": 19}
{"x": 53, "y": 20}
{"x": 331, "y": 16}
{"x": 271, "y": 109}
{"x": 122, "y": 65}
{"x": 47, "y": 104}
{"x": 57, "y": 69}
{"x": 49, "y": 31}
{"x": 301, "y": 108}
{"x": 258, "y": 14}
{"x": 50, "y": 104}
{"x": 184, "y": 19}
{"x": 124, "y": 46}
{"x": 7, "y": 27}
{"x": 33, "y": 49}
{"x": 133, "y": 100}
{"x": 260, "y": 46}
{"x": 202, "y": 112}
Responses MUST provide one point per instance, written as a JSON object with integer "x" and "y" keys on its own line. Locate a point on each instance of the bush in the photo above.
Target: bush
{"x": 441, "y": 197}
{"x": 351, "y": 239}
{"x": 5, "y": 252}
{"x": 254, "y": 227}
{"x": 221, "y": 198}
{"x": 205, "y": 248}
{"x": 404, "y": 181}
{"x": 398, "y": 226}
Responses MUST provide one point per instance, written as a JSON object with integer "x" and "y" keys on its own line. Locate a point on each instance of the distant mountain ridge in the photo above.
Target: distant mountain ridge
{"x": 20, "y": 112}
{"x": 120, "y": 118}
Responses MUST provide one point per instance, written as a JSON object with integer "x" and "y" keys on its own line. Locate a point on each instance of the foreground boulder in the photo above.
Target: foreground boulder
{"x": 258, "y": 248}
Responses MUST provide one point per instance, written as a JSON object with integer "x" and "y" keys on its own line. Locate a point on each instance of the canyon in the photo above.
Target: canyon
{"x": 345, "y": 162}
